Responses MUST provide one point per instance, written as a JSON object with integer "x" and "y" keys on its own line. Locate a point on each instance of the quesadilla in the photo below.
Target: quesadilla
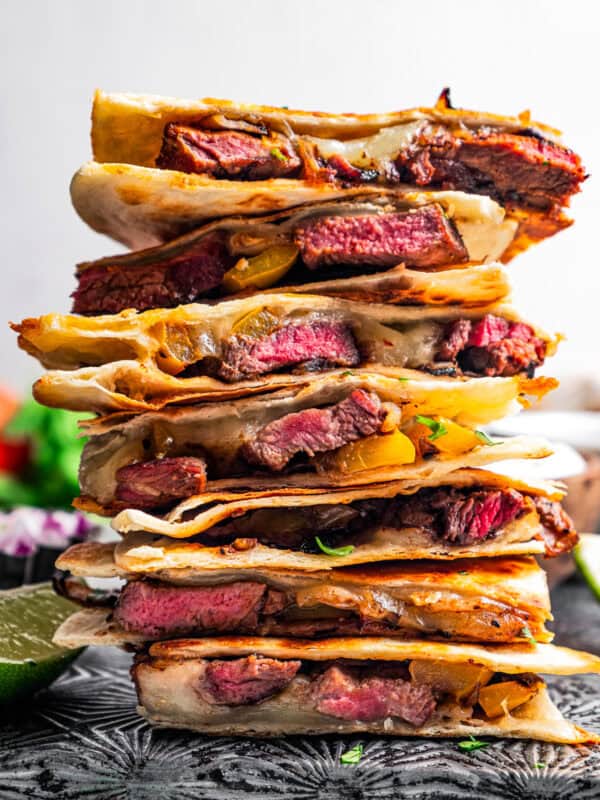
{"x": 164, "y": 165}
{"x": 493, "y": 599}
{"x": 346, "y": 430}
{"x": 270, "y": 687}
{"x": 377, "y": 250}
{"x": 465, "y": 513}
{"x": 256, "y": 337}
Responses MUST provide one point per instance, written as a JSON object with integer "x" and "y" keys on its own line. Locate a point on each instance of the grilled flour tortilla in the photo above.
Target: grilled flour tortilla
{"x": 495, "y": 600}
{"x": 375, "y": 250}
{"x": 269, "y": 686}
{"x": 335, "y": 431}
{"x": 138, "y": 193}
{"x": 237, "y": 345}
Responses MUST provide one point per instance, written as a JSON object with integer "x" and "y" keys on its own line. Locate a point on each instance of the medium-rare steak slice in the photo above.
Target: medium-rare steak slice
{"x": 243, "y": 681}
{"x": 226, "y": 154}
{"x": 342, "y": 692}
{"x": 153, "y": 283}
{"x": 424, "y": 238}
{"x": 455, "y": 515}
{"x": 160, "y": 610}
{"x": 315, "y": 430}
{"x": 493, "y": 346}
{"x": 156, "y": 483}
{"x": 330, "y": 343}
{"x": 512, "y": 168}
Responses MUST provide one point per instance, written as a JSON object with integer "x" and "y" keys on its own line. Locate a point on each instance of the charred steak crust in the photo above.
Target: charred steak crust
{"x": 558, "y": 531}
{"x": 162, "y": 283}
{"x": 291, "y": 344}
{"x": 340, "y": 692}
{"x": 157, "y": 483}
{"x": 243, "y": 681}
{"x": 424, "y": 237}
{"x": 315, "y": 430}
{"x": 492, "y": 347}
{"x": 226, "y": 154}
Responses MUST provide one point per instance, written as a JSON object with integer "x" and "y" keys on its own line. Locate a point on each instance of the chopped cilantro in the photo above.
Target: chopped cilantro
{"x": 276, "y": 153}
{"x": 526, "y": 634}
{"x": 334, "y": 551}
{"x": 352, "y": 756}
{"x": 483, "y": 437}
{"x": 463, "y": 572}
{"x": 470, "y": 744}
{"x": 286, "y": 107}
{"x": 402, "y": 380}
{"x": 540, "y": 765}
{"x": 545, "y": 163}
{"x": 436, "y": 427}
{"x": 346, "y": 373}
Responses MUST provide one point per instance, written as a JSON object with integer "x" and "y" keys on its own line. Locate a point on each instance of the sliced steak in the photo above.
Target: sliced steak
{"x": 558, "y": 531}
{"x": 478, "y": 516}
{"x": 159, "y": 610}
{"x": 165, "y": 282}
{"x": 492, "y": 346}
{"x": 423, "y": 238}
{"x": 226, "y": 154}
{"x": 315, "y": 430}
{"x": 338, "y": 692}
{"x": 153, "y": 484}
{"x": 243, "y": 681}
{"x": 330, "y": 343}
{"x": 457, "y": 516}
{"x": 512, "y": 168}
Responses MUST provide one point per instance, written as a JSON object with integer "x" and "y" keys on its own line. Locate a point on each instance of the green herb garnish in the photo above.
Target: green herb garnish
{"x": 483, "y": 437}
{"x": 334, "y": 551}
{"x": 526, "y": 634}
{"x": 540, "y": 765}
{"x": 471, "y": 744}
{"x": 463, "y": 572}
{"x": 352, "y": 756}
{"x": 402, "y": 380}
{"x": 545, "y": 163}
{"x": 437, "y": 428}
{"x": 346, "y": 374}
{"x": 276, "y": 153}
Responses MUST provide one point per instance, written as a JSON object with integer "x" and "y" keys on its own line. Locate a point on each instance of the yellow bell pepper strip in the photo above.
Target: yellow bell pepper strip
{"x": 261, "y": 271}
{"x": 373, "y": 452}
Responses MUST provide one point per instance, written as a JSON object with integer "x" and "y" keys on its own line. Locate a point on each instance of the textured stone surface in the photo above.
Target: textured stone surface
{"x": 83, "y": 738}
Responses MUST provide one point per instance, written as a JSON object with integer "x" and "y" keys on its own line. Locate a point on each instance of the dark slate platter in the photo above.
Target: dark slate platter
{"x": 83, "y": 739}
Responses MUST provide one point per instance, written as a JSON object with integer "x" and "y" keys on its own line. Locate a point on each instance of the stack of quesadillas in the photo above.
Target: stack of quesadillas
{"x": 291, "y": 372}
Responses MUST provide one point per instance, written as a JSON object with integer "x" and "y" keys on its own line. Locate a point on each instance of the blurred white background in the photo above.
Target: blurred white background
{"x": 338, "y": 55}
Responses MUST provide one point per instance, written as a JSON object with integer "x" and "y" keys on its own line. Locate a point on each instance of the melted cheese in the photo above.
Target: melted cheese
{"x": 371, "y": 151}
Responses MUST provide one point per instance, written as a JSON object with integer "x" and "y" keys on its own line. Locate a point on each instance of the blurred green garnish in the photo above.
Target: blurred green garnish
{"x": 49, "y": 478}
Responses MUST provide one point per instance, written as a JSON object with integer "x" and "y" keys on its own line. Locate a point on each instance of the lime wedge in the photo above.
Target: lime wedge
{"x": 587, "y": 558}
{"x": 29, "y": 661}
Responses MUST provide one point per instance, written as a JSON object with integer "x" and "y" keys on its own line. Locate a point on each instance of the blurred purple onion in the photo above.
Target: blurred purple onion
{"x": 24, "y": 530}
